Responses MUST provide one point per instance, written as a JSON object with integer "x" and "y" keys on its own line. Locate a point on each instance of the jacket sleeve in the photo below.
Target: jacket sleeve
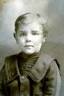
{"x": 2, "y": 81}
{"x": 52, "y": 82}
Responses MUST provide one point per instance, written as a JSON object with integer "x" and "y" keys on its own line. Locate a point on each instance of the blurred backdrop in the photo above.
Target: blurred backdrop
{"x": 52, "y": 10}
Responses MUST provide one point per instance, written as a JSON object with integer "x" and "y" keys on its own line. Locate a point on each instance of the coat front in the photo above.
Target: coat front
{"x": 42, "y": 79}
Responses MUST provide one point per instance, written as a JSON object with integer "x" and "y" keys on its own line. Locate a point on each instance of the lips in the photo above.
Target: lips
{"x": 28, "y": 45}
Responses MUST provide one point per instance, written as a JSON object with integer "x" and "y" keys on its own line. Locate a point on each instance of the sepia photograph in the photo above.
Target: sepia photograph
{"x": 31, "y": 48}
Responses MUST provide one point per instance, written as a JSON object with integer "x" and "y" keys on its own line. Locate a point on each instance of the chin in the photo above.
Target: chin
{"x": 29, "y": 52}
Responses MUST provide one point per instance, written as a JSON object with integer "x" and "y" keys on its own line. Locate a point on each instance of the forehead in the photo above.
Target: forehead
{"x": 25, "y": 21}
{"x": 34, "y": 25}
{"x": 29, "y": 17}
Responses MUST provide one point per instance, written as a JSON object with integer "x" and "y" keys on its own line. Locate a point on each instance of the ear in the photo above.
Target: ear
{"x": 15, "y": 37}
{"x": 44, "y": 39}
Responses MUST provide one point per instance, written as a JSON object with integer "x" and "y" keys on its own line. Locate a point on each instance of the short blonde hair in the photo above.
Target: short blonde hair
{"x": 29, "y": 17}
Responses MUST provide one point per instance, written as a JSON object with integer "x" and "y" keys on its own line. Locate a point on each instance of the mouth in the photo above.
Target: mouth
{"x": 28, "y": 45}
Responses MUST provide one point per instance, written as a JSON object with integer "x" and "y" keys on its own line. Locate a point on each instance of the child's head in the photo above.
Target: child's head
{"x": 30, "y": 32}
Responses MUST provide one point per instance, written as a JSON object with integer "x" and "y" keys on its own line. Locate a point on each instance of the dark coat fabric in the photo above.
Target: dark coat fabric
{"x": 36, "y": 75}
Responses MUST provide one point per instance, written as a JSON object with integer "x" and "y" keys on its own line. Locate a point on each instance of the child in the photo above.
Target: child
{"x": 31, "y": 72}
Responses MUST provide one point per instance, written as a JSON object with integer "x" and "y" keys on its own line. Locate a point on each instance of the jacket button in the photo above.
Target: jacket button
{"x": 23, "y": 77}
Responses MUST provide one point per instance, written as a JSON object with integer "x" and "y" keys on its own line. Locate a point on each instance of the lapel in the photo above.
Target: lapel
{"x": 10, "y": 68}
{"x": 37, "y": 72}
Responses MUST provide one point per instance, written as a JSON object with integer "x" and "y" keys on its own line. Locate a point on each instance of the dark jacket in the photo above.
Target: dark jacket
{"x": 39, "y": 79}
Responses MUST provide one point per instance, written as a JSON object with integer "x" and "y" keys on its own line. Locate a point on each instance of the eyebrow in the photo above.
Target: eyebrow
{"x": 33, "y": 31}
{"x": 26, "y": 31}
{"x": 36, "y": 31}
{"x": 22, "y": 31}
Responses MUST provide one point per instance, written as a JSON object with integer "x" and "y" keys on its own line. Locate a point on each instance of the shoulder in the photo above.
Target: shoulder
{"x": 7, "y": 60}
{"x": 49, "y": 60}
{"x": 10, "y": 66}
{"x": 46, "y": 58}
{"x": 10, "y": 61}
{"x": 50, "y": 64}
{"x": 10, "y": 58}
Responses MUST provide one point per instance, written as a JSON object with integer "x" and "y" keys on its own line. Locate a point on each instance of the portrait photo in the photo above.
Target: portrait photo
{"x": 31, "y": 48}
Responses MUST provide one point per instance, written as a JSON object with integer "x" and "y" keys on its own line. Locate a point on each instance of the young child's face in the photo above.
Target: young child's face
{"x": 30, "y": 37}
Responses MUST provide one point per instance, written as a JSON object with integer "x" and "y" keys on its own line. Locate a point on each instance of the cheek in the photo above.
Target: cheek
{"x": 21, "y": 41}
{"x": 38, "y": 40}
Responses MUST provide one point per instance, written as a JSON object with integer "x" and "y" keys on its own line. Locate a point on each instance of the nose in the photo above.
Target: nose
{"x": 28, "y": 38}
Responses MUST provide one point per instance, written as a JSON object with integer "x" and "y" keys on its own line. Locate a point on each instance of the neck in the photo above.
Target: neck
{"x": 24, "y": 55}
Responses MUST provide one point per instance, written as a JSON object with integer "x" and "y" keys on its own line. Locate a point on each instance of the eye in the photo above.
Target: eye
{"x": 35, "y": 33}
{"x": 22, "y": 33}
